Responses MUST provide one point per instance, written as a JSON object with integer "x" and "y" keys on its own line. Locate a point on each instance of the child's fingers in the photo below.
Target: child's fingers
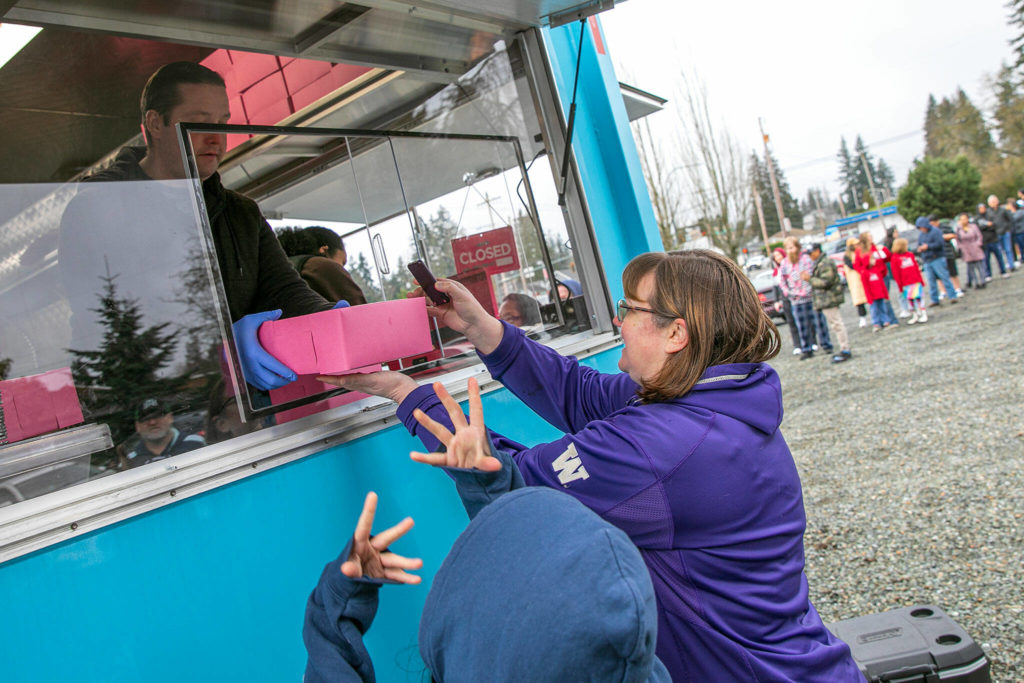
{"x": 401, "y": 576}
{"x": 394, "y": 561}
{"x": 365, "y": 523}
{"x": 440, "y": 432}
{"x": 454, "y": 411}
{"x": 435, "y": 459}
{"x": 389, "y": 536}
{"x": 352, "y": 569}
{"x": 476, "y": 408}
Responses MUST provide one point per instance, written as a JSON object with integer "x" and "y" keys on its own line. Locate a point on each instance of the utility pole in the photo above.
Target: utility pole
{"x": 771, "y": 176}
{"x": 871, "y": 183}
{"x": 818, "y": 211}
{"x": 760, "y": 216}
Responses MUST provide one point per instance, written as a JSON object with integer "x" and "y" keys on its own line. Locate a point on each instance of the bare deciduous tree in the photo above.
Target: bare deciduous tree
{"x": 666, "y": 193}
{"x": 718, "y": 181}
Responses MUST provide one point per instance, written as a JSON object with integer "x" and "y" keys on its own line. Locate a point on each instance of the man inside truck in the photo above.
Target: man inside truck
{"x": 259, "y": 281}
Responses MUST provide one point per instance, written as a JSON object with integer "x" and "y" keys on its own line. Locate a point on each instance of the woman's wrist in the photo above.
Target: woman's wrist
{"x": 486, "y": 336}
{"x": 402, "y": 389}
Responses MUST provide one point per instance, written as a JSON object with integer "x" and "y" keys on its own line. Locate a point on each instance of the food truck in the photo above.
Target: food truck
{"x": 490, "y": 141}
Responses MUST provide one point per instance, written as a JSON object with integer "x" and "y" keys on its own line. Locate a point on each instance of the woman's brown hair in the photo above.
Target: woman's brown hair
{"x": 865, "y": 242}
{"x": 724, "y": 318}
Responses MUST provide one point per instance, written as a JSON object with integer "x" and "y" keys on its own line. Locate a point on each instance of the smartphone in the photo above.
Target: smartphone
{"x": 426, "y": 280}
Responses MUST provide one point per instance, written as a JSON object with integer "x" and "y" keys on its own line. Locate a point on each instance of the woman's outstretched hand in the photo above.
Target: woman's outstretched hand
{"x": 465, "y": 314}
{"x": 393, "y": 385}
{"x": 469, "y": 447}
{"x": 370, "y": 556}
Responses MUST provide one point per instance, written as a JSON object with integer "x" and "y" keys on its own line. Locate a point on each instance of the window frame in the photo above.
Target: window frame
{"x": 38, "y": 523}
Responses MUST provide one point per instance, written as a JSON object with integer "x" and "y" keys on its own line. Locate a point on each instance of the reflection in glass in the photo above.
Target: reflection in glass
{"x": 120, "y": 287}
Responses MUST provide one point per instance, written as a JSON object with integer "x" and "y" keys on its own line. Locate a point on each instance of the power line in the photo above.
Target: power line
{"x": 880, "y": 143}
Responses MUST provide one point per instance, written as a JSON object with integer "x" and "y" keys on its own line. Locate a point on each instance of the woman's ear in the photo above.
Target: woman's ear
{"x": 678, "y": 336}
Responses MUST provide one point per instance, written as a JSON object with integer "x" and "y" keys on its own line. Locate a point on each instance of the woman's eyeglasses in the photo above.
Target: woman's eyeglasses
{"x": 622, "y": 308}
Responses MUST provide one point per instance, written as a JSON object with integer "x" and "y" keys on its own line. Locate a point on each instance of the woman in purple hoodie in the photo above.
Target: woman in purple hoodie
{"x": 681, "y": 450}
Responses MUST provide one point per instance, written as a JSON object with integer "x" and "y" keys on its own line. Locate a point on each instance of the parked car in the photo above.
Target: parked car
{"x": 835, "y": 249}
{"x": 768, "y": 294}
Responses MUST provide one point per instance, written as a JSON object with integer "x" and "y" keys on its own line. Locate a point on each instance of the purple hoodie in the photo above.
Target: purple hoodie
{"x": 707, "y": 489}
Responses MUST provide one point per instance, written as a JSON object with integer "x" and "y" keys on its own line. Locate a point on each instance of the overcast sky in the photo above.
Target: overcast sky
{"x": 813, "y": 70}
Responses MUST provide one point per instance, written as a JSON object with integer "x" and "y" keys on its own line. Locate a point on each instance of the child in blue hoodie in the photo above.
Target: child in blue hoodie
{"x": 682, "y": 450}
{"x": 485, "y": 618}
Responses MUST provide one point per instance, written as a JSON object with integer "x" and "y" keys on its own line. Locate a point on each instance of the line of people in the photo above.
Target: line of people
{"x": 812, "y": 289}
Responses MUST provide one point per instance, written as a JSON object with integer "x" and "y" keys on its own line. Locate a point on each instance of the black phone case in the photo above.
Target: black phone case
{"x": 426, "y": 280}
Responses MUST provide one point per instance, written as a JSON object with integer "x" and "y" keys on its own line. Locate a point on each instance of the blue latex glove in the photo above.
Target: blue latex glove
{"x": 342, "y": 304}
{"x": 260, "y": 369}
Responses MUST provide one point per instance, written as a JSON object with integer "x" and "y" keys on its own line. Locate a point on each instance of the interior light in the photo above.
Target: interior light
{"x": 13, "y": 37}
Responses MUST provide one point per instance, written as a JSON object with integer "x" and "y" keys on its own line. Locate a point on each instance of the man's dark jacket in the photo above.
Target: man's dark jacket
{"x": 256, "y": 272}
{"x": 1002, "y": 220}
{"x": 986, "y": 226}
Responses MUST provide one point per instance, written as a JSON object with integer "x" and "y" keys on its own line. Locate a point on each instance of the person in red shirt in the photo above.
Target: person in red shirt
{"x": 869, "y": 261}
{"x": 907, "y": 275}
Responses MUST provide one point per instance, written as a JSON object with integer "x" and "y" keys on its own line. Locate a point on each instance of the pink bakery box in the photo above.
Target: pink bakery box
{"x": 343, "y": 340}
{"x": 39, "y": 404}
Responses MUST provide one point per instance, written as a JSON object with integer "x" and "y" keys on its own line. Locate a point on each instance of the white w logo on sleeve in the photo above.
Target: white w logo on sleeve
{"x": 569, "y": 467}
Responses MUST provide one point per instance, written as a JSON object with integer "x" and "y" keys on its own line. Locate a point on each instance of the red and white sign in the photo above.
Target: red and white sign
{"x": 494, "y": 251}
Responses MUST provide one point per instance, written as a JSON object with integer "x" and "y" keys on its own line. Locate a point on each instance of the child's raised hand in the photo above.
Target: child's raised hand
{"x": 370, "y": 556}
{"x": 469, "y": 446}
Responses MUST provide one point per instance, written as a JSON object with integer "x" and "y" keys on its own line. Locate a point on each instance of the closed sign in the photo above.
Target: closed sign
{"x": 494, "y": 251}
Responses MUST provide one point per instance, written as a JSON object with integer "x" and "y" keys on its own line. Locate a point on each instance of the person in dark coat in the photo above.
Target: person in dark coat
{"x": 105, "y": 227}
{"x": 319, "y": 255}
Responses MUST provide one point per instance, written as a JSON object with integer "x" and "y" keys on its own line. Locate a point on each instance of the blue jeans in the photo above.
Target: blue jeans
{"x": 936, "y": 270}
{"x": 1006, "y": 242}
{"x": 803, "y": 315}
{"x": 821, "y": 325}
{"x": 1018, "y": 238}
{"x": 997, "y": 249}
{"x": 881, "y": 313}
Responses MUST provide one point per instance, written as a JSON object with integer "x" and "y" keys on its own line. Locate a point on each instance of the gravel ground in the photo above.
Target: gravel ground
{"x": 910, "y": 456}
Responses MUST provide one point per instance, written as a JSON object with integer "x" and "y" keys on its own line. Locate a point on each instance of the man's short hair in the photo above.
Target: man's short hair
{"x": 161, "y": 93}
{"x": 815, "y": 246}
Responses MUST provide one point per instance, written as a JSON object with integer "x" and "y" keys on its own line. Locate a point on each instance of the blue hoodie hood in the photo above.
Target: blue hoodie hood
{"x": 538, "y": 587}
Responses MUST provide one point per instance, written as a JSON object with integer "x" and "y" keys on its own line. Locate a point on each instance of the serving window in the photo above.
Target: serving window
{"x": 116, "y": 348}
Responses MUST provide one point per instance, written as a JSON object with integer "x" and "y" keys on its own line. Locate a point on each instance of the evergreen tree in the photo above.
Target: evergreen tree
{"x": 849, "y": 195}
{"x": 436, "y": 234}
{"x": 957, "y": 128}
{"x": 884, "y": 177}
{"x": 125, "y": 369}
{"x": 1016, "y": 18}
{"x": 763, "y": 182}
{"x": 366, "y": 277}
{"x": 931, "y": 127}
{"x": 943, "y": 187}
{"x": 853, "y": 176}
{"x": 1008, "y": 112}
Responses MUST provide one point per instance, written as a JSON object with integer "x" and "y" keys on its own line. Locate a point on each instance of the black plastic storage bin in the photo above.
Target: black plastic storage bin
{"x": 919, "y": 643}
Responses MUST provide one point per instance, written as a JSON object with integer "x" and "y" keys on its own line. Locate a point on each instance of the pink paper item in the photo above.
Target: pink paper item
{"x": 39, "y": 404}
{"x": 344, "y": 339}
